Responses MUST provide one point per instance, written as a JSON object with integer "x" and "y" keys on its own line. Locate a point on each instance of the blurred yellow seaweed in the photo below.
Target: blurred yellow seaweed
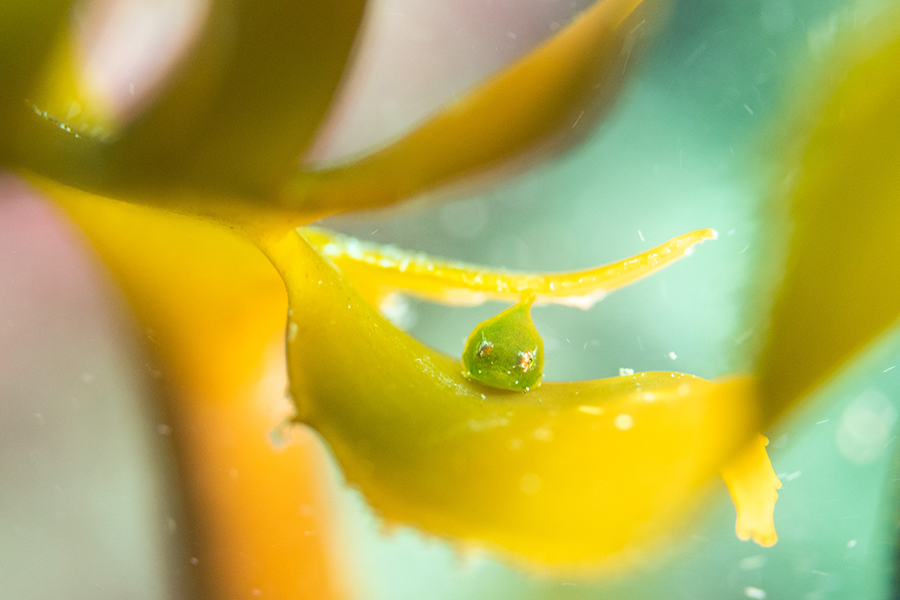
{"x": 562, "y": 477}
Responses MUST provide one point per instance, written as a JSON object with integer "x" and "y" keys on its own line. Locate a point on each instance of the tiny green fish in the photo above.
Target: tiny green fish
{"x": 506, "y": 351}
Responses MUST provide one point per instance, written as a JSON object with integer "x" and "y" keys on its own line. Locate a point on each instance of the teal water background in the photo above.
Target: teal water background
{"x": 685, "y": 147}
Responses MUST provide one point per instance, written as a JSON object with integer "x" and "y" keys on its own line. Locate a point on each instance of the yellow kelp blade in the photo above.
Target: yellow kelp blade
{"x": 557, "y": 90}
{"x": 378, "y": 271}
{"x": 213, "y": 311}
{"x": 841, "y": 287}
{"x": 562, "y": 477}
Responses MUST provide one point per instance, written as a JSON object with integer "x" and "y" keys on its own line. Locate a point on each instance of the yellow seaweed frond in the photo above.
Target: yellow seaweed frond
{"x": 752, "y": 484}
{"x": 378, "y": 271}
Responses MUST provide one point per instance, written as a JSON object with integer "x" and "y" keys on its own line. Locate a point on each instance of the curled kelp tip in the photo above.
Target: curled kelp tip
{"x": 753, "y": 486}
{"x": 380, "y": 270}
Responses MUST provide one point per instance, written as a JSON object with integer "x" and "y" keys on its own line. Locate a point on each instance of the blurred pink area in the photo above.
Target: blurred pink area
{"x": 86, "y": 502}
{"x": 125, "y": 48}
{"x": 416, "y": 55}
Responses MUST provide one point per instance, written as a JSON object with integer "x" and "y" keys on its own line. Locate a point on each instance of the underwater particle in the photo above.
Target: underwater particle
{"x": 865, "y": 427}
{"x": 506, "y": 351}
{"x": 672, "y": 355}
{"x": 623, "y": 371}
{"x": 752, "y": 562}
{"x": 544, "y": 433}
{"x": 754, "y": 592}
{"x": 624, "y": 422}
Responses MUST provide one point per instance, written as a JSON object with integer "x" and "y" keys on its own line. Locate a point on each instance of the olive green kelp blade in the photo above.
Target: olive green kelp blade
{"x": 28, "y": 30}
{"x": 562, "y": 477}
{"x": 841, "y": 287}
{"x": 233, "y": 119}
{"x": 564, "y": 83}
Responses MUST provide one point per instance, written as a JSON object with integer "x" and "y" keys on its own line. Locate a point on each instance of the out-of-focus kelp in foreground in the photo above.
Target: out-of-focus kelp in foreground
{"x": 194, "y": 205}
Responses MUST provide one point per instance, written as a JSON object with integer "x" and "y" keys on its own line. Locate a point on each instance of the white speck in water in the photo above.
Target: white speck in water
{"x": 754, "y": 592}
{"x": 623, "y": 422}
{"x": 891, "y": 368}
{"x": 581, "y": 114}
{"x": 793, "y": 476}
{"x": 399, "y": 311}
{"x": 822, "y": 421}
{"x": 752, "y": 562}
{"x": 544, "y": 434}
{"x": 511, "y": 35}
{"x": 256, "y": 592}
{"x": 194, "y": 560}
{"x": 590, "y": 410}
{"x": 745, "y": 248}
{"x": 530, "y": 483}
{"x": 163, "y": 429}
{"x": 865, "y": 428}
{"x": 851, "y": 544}
{"x": 74, "y": 110}
{"x": 292, "y": 331}
{"x": 641, "y": 235}
{"x": 623, "y": 371}
{"x": 672, "y": 355}
{"x": 131, "y": 89}
{"x": 749, "y": 110}
{"x": 743, "y": 337}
